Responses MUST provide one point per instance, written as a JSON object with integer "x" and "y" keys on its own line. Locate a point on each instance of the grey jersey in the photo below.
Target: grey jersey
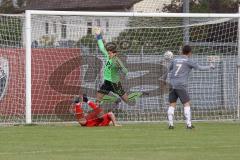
{"x": 179, "y": 70}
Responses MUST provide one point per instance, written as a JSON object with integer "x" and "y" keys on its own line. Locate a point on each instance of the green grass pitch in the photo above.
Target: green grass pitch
{"x": 209, "y": 141}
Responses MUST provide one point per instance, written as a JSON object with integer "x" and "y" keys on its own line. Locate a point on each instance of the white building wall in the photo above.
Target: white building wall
{"x": 76, "y": 26}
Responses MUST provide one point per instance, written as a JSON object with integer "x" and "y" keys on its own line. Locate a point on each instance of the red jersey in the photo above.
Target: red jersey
{"x": 92, "y": 118}
{"x": 103, "y": 121}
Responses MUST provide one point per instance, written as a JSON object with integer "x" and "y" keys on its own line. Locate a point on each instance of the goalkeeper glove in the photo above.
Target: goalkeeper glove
{"x": 85, "y": 98}
{"x": 97, "y": 30}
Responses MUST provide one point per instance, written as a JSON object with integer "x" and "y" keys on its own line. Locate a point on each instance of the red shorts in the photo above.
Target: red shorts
{"x": 103, "y": 121}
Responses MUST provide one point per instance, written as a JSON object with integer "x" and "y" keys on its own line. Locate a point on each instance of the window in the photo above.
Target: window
{"x": 98, "y": 22}
{"x": 54, "y": 27}
{"x": 64, "y": 30}
{"x": 107, "y": 25}
{"x": 46, "y": 27}
{"x": 89, "y": 27}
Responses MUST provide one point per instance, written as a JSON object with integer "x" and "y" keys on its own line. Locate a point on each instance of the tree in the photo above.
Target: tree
{"x": 12, "y": 6}
{"x": 151, "y": 35}
{"x": 11, "y": 27}
{"x": 156, "y": 35}
{"x": 89, "y": 42}
{"x": 7, "y": 6}
{"x": 21, "y": 3}
{"x": 211, "y": 32}
{"x": 10, "y": 31}
{"x": 204, "y": 6}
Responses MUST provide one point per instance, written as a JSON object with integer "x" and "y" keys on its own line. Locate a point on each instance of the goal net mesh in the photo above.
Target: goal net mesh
{"x": 12, "y": 71}
{"x": 66, "y": 62}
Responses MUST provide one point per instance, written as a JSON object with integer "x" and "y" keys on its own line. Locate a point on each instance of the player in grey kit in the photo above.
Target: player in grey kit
{"x": 179, "y": 70}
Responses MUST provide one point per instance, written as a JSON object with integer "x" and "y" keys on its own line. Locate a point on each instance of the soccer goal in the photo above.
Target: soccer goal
{"x": 48, "y": 57}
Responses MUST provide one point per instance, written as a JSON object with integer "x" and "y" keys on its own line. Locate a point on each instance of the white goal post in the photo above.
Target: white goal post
{"x": 62, "y": 60}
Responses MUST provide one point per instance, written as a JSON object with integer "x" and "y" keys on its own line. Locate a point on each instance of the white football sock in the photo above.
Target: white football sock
{"x": 187, "y": 114}
{"x": 170, "y": 115}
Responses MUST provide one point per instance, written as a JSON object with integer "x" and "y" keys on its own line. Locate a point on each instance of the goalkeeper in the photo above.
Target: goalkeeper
{"x": 179, "y": 70}
{"x": 96, "y": 117}
{"x": 112, "y": 71}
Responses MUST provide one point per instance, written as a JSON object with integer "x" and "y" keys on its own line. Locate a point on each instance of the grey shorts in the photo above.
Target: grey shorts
{"x": 182, "y": 94}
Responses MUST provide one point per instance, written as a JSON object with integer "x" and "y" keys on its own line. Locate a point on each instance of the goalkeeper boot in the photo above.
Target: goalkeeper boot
{"x": 170, "y": 127}
{"x": 190, "y": 127}
{"x": 76, "y": 99}
{"x": 85, "y": 98}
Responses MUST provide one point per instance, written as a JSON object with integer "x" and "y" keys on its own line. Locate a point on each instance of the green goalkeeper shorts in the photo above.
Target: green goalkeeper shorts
{"x": 112, "y": 87}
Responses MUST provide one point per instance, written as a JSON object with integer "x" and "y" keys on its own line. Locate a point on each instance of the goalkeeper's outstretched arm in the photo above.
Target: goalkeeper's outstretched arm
{"x": 100, "y": 42}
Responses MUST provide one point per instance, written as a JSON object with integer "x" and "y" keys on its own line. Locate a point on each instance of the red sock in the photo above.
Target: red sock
{"x": 78, "y": 111}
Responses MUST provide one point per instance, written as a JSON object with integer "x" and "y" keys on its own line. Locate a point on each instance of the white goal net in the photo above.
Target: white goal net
{"x": 66, "y": 62}
{"x": 12, "y": 70}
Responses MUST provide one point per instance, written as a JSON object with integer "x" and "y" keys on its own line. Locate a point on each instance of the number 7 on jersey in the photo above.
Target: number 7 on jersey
{"x": 178, "y": 68}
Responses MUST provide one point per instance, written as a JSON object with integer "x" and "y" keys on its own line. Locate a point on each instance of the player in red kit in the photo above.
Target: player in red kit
{"x": 96, "y": 117}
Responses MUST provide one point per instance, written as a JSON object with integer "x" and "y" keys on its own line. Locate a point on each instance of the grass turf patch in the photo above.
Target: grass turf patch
{"x": 209, "y": 141}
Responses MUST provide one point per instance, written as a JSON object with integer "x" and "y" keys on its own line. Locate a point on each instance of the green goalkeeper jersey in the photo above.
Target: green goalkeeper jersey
{"x": 113, "y": 65}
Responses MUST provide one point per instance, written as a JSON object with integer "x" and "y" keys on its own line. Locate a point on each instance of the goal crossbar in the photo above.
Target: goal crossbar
{"x": 133, "y": 14}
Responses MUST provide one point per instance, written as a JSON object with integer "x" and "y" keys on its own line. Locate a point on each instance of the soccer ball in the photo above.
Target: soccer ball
{"x": 168, "y": 55}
